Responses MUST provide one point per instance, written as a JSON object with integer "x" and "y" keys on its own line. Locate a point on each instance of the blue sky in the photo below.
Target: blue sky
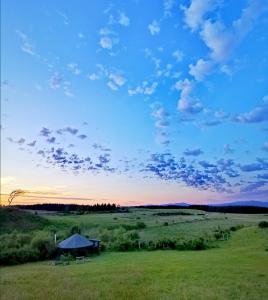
{"x": 135, "y": 101}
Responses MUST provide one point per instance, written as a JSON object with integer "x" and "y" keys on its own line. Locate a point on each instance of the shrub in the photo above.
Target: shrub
{"x": 140, "y": 225}
{"x": 133, "y": 236}
{"x": 263, "y": 224}
{"x": 237, "y": 227}
{"x": 75, "y": 229}
{"x": 165, "y": 224}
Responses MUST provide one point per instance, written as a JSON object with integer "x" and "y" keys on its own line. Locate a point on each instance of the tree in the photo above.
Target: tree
{"x": 14, "y": 194}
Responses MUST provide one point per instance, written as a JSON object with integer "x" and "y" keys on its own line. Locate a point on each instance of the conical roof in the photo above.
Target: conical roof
{"x": 75, "y": 241}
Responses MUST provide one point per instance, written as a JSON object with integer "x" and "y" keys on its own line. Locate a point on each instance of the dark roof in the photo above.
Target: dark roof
{"x": 75, "y": 241}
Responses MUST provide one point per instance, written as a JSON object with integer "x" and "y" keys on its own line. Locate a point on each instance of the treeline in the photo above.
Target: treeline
{"x": 65, "y": 208}
{"x": 221, "y": 209}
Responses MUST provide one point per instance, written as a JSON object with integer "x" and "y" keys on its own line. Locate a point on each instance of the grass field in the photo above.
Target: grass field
{"x": 236, "y": 270}
{"x": 196, "y": 224}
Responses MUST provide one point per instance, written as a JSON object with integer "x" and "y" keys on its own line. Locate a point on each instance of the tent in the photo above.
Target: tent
{"x": 76, "y": 241}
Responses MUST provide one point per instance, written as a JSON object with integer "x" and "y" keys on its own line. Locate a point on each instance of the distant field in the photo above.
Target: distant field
{"x": 236, "y": 270}
{"x": 193, "y": 224}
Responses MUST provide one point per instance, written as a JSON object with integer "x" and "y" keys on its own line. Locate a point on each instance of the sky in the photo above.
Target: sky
{"x": 134, "y": 102}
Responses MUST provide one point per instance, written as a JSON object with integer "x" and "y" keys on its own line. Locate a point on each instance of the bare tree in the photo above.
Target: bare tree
{"x": 14, "y": 194}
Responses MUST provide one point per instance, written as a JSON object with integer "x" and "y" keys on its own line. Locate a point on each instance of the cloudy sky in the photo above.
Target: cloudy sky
{"x": 135, "y": 101}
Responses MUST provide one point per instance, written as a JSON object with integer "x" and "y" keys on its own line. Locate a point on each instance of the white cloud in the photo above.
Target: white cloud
{"x": 265, "y": 99}
{"x": 106, "y": 31}
{"x": 81, "y": 35}
{"x": 265, "y": 146}
{"x": 201, "y": 69}
{"x": 117, "y": 79}
{"x": 106, "y": 43}
{"x": 135, "y": 91}
{"x": 93, "y": 76}
{"x": 178, "y": 55}
{"x": 168, "y": 6}
{"x": 123, "y": 19}
{"x": 55, "y": 81}
{"x": 218, "y": 39}
{"x": 26, "y": 45}
{"x": 195, "y": 13}
{"x": 112, "y": 86}
{"x": 143, "y": 89}
{"x": 149, "y": 90}
{"x": 73, "y": 67}
{"x": 154, "y": 28}
{"x": 187, "y": 103}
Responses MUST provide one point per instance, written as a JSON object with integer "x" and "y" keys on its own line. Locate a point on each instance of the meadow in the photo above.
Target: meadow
{"x": 233, "y": 266}
{"x": 235, "y": 270}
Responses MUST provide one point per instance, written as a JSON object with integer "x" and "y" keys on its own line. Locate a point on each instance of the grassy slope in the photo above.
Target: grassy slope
{"x": 237, "y": 270}
{"x": 15, "y": 219}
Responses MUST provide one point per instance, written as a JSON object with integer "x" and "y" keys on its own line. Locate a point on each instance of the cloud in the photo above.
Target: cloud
{"x": 81, "y": 35}
{"x": 195, "y": 13}
{"x": 106, "y": 43}
{"x": 218, "y": 39}
{"x": 211, "y": 123}
{"x": 32, "y": 144}
{"x": 168, "y": 6}
{"x": 68, "y": 129}
{"x": 178, "y": 55}
{"x": 221, "y": 40}
{"x": 45, "y": 132}
{"x": 256, "y": 115}
{"x": 161, "y": 116}
{"x": 263, "y": 176}
{"x": 252, "y": 167}
{"x": 123, "y": 19}
{"x": 227, "y": 149}
{"x": 154, "y": 28}
{"x": 26, "y": 45}
{"x": 112, "y": 86}
{"x": 93, "y": 76}
{"x": 162, "y": 137}
{"x": 149, "y": 90}
{"x": 265, "y": 146}
{"x": 187, "y": 103}
{"x": 82, "y": 136}
{"x": 21, "y": 141}
{"x": 193, "y": 152}
{"x": 166, "y": 167}
{"x": 145, "y": 89}
{"x": 201, "y": 69}
{"x": 118, "y": 79}
{"x": 51, "y": 140}
{"x": 253, "y": 186}
{"x": 73, "y": 67}
{"x": 55, "y": 81}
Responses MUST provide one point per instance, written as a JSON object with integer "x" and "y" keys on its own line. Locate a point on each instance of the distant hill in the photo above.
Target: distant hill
{"x": 235, "y": 203}
{"x": 243, "y": 203}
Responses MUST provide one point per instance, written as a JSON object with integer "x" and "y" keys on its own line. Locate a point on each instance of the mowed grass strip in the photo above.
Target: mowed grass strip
{"x": 237, "y": 270}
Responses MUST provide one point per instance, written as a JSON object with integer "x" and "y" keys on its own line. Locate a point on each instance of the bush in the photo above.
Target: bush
{"x": 45, "y": 246}
{"x": 263, "y": 224}
{"x": 140, "y": 225}
{"x": 20, "y": 248}
{"x": 237, "y": 227}
{"x": 165, "y": 224}
{"x": 75, "y": 229}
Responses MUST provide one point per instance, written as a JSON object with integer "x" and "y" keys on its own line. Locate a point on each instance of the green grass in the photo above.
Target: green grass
{"x": 182, "y": 226}
{"x": 14, "y": 219}
{"x": 236, "y": 270}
